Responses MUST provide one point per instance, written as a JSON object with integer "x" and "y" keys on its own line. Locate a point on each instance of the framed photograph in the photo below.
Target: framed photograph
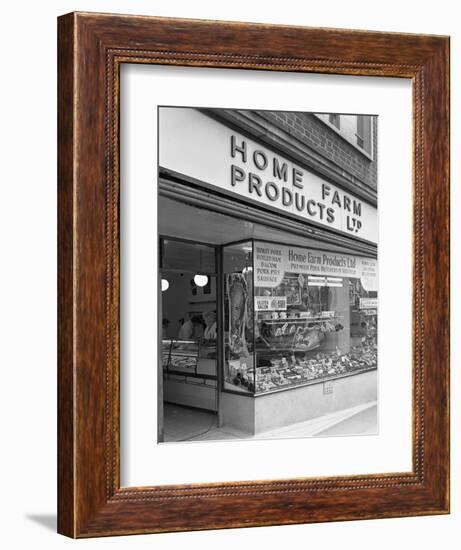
{"x": 253, "y": 275}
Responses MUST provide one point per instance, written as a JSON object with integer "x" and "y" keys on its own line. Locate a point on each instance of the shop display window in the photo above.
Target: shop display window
{"x": 239, "y": 372}
{"x": 296, "y": 316}
{"x": 318, "y": 335}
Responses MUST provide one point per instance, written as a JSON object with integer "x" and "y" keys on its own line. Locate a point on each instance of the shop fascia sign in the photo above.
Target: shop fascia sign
{"x": 273, "y": 261}
{"x": 200, "y": 147}
{"x": 273, "y": 179}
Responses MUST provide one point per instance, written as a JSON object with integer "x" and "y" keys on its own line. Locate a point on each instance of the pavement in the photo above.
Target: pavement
{"x": 183, "y": 424}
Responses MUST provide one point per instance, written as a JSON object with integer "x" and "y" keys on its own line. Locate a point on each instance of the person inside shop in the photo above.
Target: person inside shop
{"x": 191, "y": 329}
{"x": 186, "y": 330}
{"x": 210, "y": 325}
{"x": 198, "y": 327}
{"x": 165, "y": 325}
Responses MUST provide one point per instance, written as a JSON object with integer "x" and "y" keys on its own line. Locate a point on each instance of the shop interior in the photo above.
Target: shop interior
{"x": 208, "y": 311}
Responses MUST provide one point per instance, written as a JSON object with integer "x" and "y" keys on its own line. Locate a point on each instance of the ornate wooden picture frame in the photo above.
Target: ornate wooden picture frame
{"x": 92, "y": 48}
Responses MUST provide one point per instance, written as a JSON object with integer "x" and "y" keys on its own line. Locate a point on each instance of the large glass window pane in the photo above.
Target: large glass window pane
{"x": 364, "y": 324}
{"x": 313, "y": 321}
{"x": 238, "y": 318}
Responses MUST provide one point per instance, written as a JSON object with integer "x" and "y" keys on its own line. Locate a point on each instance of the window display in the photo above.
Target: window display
{"x": 238, "y": 318}
{"x": 312, "y": 338}
{"x": 297, "y": 315}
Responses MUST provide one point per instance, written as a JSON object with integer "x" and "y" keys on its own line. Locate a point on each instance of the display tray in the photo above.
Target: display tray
{"x": 313, "y": 381}
{"x": 180, "y": 355}
{"x": 182, "y": 363}
{"x": 283, "y": 371}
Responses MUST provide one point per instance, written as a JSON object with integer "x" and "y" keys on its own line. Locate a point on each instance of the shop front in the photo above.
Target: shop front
{"x": 269, "y": 283}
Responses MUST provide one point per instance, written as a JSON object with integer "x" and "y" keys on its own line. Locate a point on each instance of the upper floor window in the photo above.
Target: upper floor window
{"x": 335, "y": 120}
{"x": 356, "y": 129}
{"x": 364, "y": 132}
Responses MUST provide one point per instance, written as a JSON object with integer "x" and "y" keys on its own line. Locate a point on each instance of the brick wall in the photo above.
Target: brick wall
{"x": 314, "y": 133}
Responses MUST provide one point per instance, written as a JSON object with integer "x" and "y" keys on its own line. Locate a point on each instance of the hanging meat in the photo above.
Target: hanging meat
{"x": 248, "y": 276}
{"x": 237, "y": 292}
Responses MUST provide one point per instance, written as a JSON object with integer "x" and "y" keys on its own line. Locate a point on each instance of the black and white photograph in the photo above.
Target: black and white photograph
{"x": 268, "y": 274}
{"x": 229, "y": 237}
{"x": 227, "y": 265}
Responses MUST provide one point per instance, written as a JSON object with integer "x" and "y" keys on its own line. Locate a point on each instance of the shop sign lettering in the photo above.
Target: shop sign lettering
{"x": 268, "y": 177}
{"x": 368, "y": 303}
{"x": 272, "y": 261}
{"x": 270, "y": 303}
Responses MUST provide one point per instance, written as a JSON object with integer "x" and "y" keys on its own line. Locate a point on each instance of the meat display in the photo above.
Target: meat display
{"x": 291, "y": 370}
{"x": 237, "y": 294}
{"x": 302, "y": 334}
{"x": 314, "y": 332}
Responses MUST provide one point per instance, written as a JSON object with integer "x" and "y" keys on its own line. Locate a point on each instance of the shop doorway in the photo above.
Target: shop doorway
{"x": 188, "y": 314}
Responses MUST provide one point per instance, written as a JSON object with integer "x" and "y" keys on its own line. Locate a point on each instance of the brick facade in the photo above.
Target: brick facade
{"x": 325, "y": 141}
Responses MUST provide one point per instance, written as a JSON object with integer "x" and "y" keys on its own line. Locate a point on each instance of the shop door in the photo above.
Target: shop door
{"x": 189, "y": 320}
